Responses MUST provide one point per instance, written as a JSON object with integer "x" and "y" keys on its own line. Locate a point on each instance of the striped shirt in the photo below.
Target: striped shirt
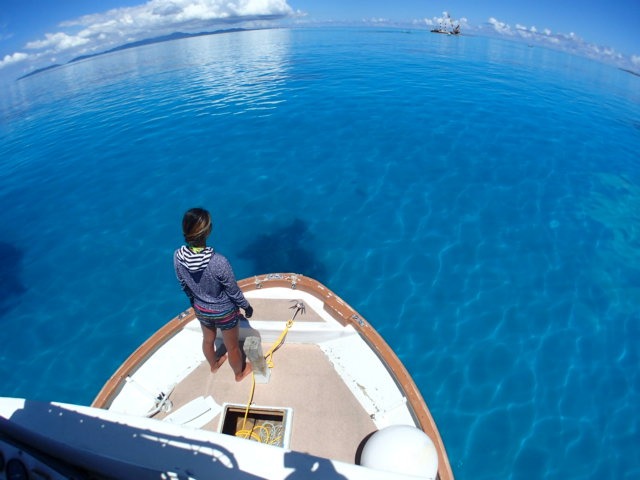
{"x": 208, "y": 280}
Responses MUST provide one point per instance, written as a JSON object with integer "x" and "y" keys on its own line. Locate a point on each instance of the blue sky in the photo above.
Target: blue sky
{"x": 37, "y": 33}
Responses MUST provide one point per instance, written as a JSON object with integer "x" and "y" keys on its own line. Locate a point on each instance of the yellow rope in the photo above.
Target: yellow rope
{"x": 243, "y": 432}
{"x": 269, "y": 356}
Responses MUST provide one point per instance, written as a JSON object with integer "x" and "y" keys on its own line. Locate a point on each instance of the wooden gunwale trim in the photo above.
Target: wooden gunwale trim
{"x": 139, "y": 356}
{"x": 344, "y": 313}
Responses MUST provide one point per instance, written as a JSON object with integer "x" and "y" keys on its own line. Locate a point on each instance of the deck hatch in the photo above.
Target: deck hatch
{"x": 271, "y": 425}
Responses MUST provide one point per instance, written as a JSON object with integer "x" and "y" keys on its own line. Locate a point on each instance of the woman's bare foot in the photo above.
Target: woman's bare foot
{"x": 247, "y": 370}
{"x": 219, "y": 363}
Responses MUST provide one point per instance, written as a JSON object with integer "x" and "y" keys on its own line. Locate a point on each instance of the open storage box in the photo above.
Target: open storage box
{"x": 271, "y": 425}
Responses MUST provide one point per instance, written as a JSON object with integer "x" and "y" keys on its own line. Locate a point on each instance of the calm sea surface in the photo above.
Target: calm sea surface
{"x": 477, "y": 201}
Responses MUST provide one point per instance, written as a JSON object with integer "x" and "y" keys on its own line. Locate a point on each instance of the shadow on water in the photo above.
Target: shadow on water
{"x": 10, "y": 269}
{"x": 285, "y": 249}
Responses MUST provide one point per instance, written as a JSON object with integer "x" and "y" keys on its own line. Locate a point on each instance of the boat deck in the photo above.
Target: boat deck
{"x": 327, "y": 420}
{"x": 334, "y": 380}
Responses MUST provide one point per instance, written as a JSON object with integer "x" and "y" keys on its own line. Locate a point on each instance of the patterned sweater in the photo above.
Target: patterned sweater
{"x": 208, "y": 280}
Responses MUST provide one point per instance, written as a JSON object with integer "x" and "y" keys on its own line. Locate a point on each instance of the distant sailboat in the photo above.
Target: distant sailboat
{"x": 447, "y": 27}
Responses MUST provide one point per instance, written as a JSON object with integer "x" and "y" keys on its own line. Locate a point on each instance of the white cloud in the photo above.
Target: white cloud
{"x": 14, "y": 58}
{"x": 57, "y": 42}
{"x": 526, "y": 32}
{"x": 500, "y": 27}
{"x": 567, "y": 42}
{"x": 376, "y": 20}
{"x": 171, "y": 14}
{"x": 101, "y": 31}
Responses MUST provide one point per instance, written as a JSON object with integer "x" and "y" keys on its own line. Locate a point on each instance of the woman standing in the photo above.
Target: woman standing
{"x": 208, "y": 280}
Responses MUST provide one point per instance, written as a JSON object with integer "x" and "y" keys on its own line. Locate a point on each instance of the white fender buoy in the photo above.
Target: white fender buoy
{"x": 401, "y": 449}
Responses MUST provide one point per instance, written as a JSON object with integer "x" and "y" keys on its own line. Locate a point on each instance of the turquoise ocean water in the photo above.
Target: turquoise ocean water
{"x": 477, "y": 201}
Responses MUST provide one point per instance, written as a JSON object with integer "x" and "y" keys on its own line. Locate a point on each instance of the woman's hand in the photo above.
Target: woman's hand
{"x": 248, "y": 311}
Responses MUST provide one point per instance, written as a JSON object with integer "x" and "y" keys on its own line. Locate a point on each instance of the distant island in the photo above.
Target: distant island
{"x": 139, "y": 43}
{"x": 39, "y": 70}
{"x": 630, "y": 71}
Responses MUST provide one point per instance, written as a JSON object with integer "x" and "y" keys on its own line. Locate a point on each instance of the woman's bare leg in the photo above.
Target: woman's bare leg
{"x": 209, "y": 348}
{"x": 231, "y": 339}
